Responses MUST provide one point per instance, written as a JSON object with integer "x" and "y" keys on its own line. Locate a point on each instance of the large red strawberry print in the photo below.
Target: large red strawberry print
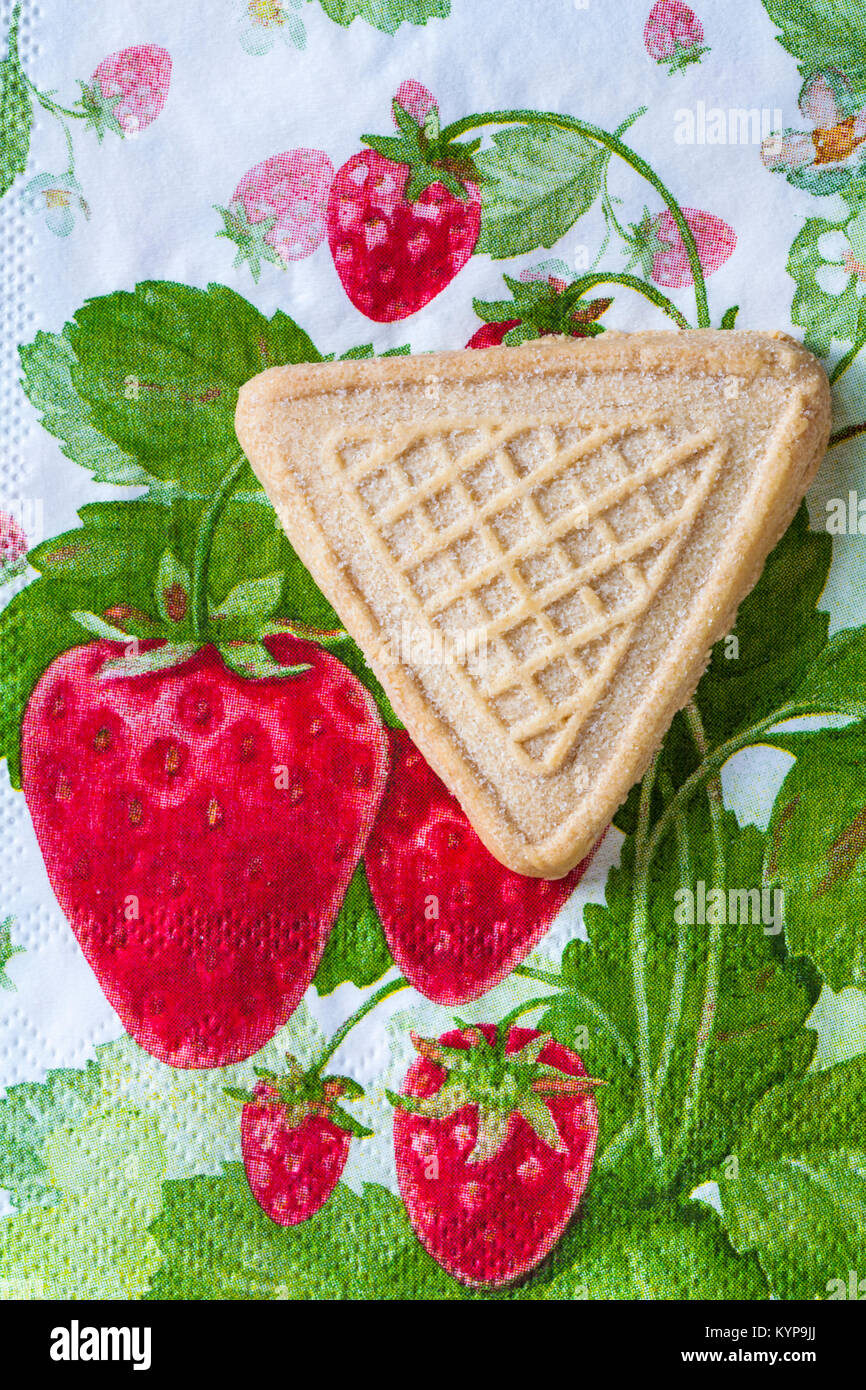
{"x": 659, "y": 247}
{"x": 494, "y": 1137}
{"x": 673, "y": 35}
{"x": 403, "y": 217}
{"x": 127, "y": 91}
{"x": 200, "y": 828}
{"x": 457, "y": 922}
{"x": 545, "y": 300}
{"x": 277, "y": 212}
{"x": 295, "y": 1140}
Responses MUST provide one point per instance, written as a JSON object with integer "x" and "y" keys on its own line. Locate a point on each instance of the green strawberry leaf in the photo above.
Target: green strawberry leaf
{"x": 105, "y": 1171}
{"x": 821, "y": 183}
{"x": 217, "y": 1243}
{"x": 797, "y": 1193}
{"x": 47, "y": 380}
{"x": 823, "y": 316}
{"x": 779, "y": 632}
{"x": 29, "y": 1113}
{"x": 836, "y": 682}
{"x": 172, "y": 590}
{"x": 666, "y": 1252}
{"x": 7, "y": 951}
{"x": 758, "y": 1034}
{"x": 140, "y": 389}
{"x": 253, "y": 661}
{"x": 254, "y": 598}
{"x": 536, "y": 183}
{"x": 386, "y": 15}
{"x": 92, "y": 623}
{"x": 163, "y": 658}
{"x": 815, "y": 851}
{"x": 16, "y": 112}
{"x": 356, "y": 949}
{"x": 159, "y": 369}
{"x": 823, "y": 34}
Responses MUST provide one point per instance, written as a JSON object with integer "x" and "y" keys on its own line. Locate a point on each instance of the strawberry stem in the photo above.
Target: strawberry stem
{"x": 615, "y": 146}
{"x": 844, "y": 363}
{"x": 638, "y": 939}
{"x": 849, "y": 432}
{"x": 714, "y": 948}
{"x": 632, "y": 282}
{"x": 392, "y": 987}
{"x": 204, "y": 544}
{"x": 521, "y": 1009}
{"x": 681, "y": 958}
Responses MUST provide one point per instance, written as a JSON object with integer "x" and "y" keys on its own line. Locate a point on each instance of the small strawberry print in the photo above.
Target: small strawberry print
{"x": 403, "y": 217}
{"x": 127, "y": 91}
{"x": 278, "y": 211}
{"x": 674, "y": 36}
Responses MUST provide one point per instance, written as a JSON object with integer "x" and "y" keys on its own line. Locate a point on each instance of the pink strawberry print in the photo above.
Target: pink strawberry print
{"x": 417, "y": 100}
{"x": 403, "y": 216}
{"x": 295, "y": 1140}
{"x": 486, "y": 919}
{"x": 659, "y": 246}
{"x": 278, "y": 211}
{"x": 673, "y": 35}
{"x": 494, "y": 1138}
{"x": 200, "y": 830}
{"x": 127, "y": 91}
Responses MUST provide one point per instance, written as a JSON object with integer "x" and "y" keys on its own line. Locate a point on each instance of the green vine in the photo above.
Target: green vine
{"x": 615, "y": 146}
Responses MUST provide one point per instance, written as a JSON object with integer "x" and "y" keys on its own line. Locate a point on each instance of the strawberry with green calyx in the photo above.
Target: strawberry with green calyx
{"x": 277, "y": 211}
{"x": 127, "y": 90}
{"x": 404, "y": 216}
{"x": 540, "y": 306}
{"x": 674, "y": 36}
{"x": 494, "y": 1137}
{"x": 295, "y": 1138}
{"x": 656, "y": 243}
{"x": 202, "y": 784}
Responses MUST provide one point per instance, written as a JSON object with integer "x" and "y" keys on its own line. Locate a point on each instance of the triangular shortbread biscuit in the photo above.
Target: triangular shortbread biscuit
{"x": 537, "y": 547}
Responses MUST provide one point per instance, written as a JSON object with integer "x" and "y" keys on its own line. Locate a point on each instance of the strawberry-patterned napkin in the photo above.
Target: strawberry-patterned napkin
{"x": 273, "y": 1023}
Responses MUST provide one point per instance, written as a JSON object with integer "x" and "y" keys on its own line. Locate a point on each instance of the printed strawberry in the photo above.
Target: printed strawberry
{"x": 658, "y": 246}
{"x": 201, "y": 810}
{"x": 457, "y": 922}
{"x": 403, "y": 217}
{"x": 492, "y": 334}
{"x": 494, "y": 1137}
{"x": 545, "y": 300}
{"x": 13, "y": 548}
{"x": 673, "y": 35}
{"x": 295, "y": 1139}
{"x": 127, "y": 90}
{"x": 278, "y": 211}
{"x": 416, "y": 99}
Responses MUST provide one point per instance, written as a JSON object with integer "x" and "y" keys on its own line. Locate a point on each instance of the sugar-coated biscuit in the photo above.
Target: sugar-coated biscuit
{"x": 537, "y": 547}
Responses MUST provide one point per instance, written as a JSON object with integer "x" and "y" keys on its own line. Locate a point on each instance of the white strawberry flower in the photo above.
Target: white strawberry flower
{"x": 263, "y": 22}
{"x": 843, "y": 252}
{"x": 58, "y": 198}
